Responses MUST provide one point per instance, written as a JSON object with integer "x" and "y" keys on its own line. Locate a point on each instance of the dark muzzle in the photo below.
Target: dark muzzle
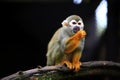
{"x": 76, "y": 29}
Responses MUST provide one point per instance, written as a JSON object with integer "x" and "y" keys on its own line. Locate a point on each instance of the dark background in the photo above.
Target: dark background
{"x": 27, "y": 26}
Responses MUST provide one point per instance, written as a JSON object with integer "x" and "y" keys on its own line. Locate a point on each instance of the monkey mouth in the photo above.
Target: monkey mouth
{"x": 76, "y": 29}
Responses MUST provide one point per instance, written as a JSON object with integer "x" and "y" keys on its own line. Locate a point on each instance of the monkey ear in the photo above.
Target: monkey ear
{"x": 65, "y": 23}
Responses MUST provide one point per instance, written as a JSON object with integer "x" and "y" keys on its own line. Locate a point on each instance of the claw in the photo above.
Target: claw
{"x": 76, "y": 66}
{"x": 68, "y": 64}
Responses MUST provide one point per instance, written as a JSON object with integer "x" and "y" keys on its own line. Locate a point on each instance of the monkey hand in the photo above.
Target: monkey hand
{"x": 80, "y": 34}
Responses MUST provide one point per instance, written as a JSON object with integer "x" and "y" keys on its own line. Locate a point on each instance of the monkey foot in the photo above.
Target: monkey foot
{"x": 69, "y": 64}
{"x": 76, "y": 66}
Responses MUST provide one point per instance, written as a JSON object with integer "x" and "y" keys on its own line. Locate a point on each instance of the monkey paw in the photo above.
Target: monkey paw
{"x": 76, "y": 66}
{"x": 80, "y": 34}
{"x": 68, "y": 64}
{"x": 83, "y": 33}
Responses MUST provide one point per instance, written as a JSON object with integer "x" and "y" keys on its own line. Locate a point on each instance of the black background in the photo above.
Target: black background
{"x": 26, "y": 28}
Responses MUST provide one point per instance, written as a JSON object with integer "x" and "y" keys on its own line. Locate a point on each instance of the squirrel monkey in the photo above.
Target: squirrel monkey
{"x": 67, "y": 44}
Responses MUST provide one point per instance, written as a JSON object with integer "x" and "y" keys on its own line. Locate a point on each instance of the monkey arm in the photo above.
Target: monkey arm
{"x": 73, "y": 42}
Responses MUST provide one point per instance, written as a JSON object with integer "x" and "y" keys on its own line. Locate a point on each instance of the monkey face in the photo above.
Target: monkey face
{"x": 76, "y": 25}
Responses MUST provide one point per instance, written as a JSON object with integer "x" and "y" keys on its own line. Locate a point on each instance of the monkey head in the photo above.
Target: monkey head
{"x": 74, "y": 22}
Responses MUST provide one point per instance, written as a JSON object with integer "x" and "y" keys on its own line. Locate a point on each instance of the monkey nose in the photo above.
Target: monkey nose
{"x": 76, "y": 29}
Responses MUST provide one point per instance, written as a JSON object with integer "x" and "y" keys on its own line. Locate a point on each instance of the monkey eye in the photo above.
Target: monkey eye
{"x": 74, "y": 23}
{"x": 79, "y": 23}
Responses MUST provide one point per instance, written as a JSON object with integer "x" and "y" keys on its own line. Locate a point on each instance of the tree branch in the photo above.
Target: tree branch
{"x": 87, "y": 68}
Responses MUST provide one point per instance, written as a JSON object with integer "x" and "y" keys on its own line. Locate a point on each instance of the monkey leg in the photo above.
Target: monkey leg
{"x": 73, "y": 42}
{"x": 75, "y": 61}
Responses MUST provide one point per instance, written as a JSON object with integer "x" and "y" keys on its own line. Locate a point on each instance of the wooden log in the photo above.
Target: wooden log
{"x": 61, "y": 72}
